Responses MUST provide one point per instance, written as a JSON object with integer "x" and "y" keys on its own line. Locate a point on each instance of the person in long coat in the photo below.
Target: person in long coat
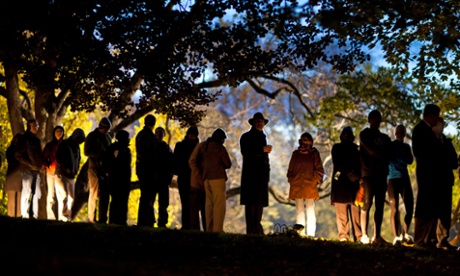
{"x": 255, "y": 174}
{"x": 13, "y": 181}
{"x": 305, "y": 173}
{"x": 427, "y": 150}
{"x": 345, "y": 184}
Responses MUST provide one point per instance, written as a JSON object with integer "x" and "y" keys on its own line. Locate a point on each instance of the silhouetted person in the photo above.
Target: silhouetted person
{"x": 117, "y": 163}
{"x": 375, "y": 151}
{"x": 182, "y": 152}
{"x": 255, "y": 174}
{"x": 164, "y": 177}
{"x": 29, "y": 154}
{"x": 345, "y": 184}
{"x": 96, "y": 143}
{"x": 399, "y": 184}
{"x": 147, "y": 166}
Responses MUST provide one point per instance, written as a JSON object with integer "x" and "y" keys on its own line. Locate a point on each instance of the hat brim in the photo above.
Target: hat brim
{"x": 251, "y": 121}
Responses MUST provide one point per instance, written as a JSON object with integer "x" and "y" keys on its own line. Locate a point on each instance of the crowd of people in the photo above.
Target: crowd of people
{"x": 377, "y": 166}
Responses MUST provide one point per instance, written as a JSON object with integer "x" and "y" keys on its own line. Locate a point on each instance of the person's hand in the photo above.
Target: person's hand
{"x": 267, "y": 148}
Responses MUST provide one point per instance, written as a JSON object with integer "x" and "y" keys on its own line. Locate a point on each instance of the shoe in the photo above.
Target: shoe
{"x": 379, "y": 240}
{"x": 343, "y": 239}
{"x": 408, "y": 240}
{"x": 397, "y": 241}
{"x": 364, "y": 239}
{"x": 447, "y": 246}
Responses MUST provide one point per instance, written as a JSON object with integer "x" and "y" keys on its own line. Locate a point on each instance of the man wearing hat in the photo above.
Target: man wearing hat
{"x": 255, "y": 173}
{"x": 96, "y": 144}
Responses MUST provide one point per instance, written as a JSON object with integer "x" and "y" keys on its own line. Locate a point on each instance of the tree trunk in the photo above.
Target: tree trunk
{"x": 12, "y": 98}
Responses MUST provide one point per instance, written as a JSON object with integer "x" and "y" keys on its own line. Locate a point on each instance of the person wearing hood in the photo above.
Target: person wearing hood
{"x": 117, "y": 163}
{"x": 255, "y": 174}
{"x": 305, "y": 172}
{"x": 68, "y": 158}
{"x": 345, "y": 184}
{"x": 208, "y": 162}
{"x": 49, "y": 159}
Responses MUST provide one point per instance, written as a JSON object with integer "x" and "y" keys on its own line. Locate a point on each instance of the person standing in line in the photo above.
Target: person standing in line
{"x": 30, "y": 156}
{"x": 49, "y": 157}
{"x": 13, "y": 181}
{"x": 96, "y": 143}
{"x": 399, "y": 184}
{"x": 182, "y": 152}
{"x": 165, "y": 177}
{"x": 147, "y": 170}
{"x": 117, "y": 163}
{"x": 375, "y": 151}
{"x": 345, "y": 184}
{"x": 255, "y": 174}
{"x": 210, "y": 159}
{"x": 305, "y": 172}
{"x": 443, "y": 201}
{"x": 68, "y": 158}
{"x": 197, "y": 193}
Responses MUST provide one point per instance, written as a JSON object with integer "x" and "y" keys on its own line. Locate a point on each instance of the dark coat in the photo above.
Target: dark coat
{"x": 13, "y": 181}
{"x": 255, "y": 173}
{"x": 29, "y": 152}
{"x": 182, "y": 152}
{"x": 376, "y": 150}
{"x": 147, "y": 153}
{"x": 346, "y": 160}
{"x": 166, "y": 163}
{"x": 68, "y": 158}
{"x": 117, "y": 163}
{"x": 95, "y": 144}
{"x": 428, "y": 155}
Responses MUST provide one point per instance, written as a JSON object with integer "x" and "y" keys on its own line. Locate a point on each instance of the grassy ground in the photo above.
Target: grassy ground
{"x": 56, "y": 248}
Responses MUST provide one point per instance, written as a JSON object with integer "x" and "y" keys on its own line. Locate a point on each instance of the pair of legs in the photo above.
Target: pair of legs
{"x": 306, "y": 206}
{"x": 31, "y": 193}
{"x": 396, "y": 187}
{"x": 197, "y": 209}
{"x": 183, "y": 183}
{"x": 98, "y": 188}
{"x": 346, "y": 213}
{"x": 65, "y": 193}
{"x": 375, "y": 187}
{"x": 253, "y": 214}
{"x": 215, "y": 204}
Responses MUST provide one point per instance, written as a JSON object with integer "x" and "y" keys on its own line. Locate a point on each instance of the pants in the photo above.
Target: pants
{"x": 31, "y": 193}
{"x": 146, "y": 216}
{"x": 197, "y": 209}
{"x": 14, "y": 204}
{"x": 183, "y": 182}
{"x": 119, "y": 193}
{"x": 51, "y": 196}
{"x": 163, "y": 204}
{"x": 346, "y": 213}
{"x": 215, "y": 204}
{"x": 65, "y": 192}
{"x": 396, "y": 187}
{"x": 98, "y": 188}
{"x": 309, "y": 204}
{"x": 374, "y": 187}
{"x": 253, "y": 214}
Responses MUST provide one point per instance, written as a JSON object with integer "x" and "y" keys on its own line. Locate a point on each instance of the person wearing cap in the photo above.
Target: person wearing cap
{"x": 68, "y": 158}
{"x": 375, "y": 150}
{"x": 255, "y": 174}
{"x": 49, "y": 159}
{"x": 346, "y": 174}
{"x": 147, "y": 170}
{"x": 117, "y": 164}
{"x": 181, "y": 168}
{"x": 208, "y": 162}
{"x": 96, "y": 144}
